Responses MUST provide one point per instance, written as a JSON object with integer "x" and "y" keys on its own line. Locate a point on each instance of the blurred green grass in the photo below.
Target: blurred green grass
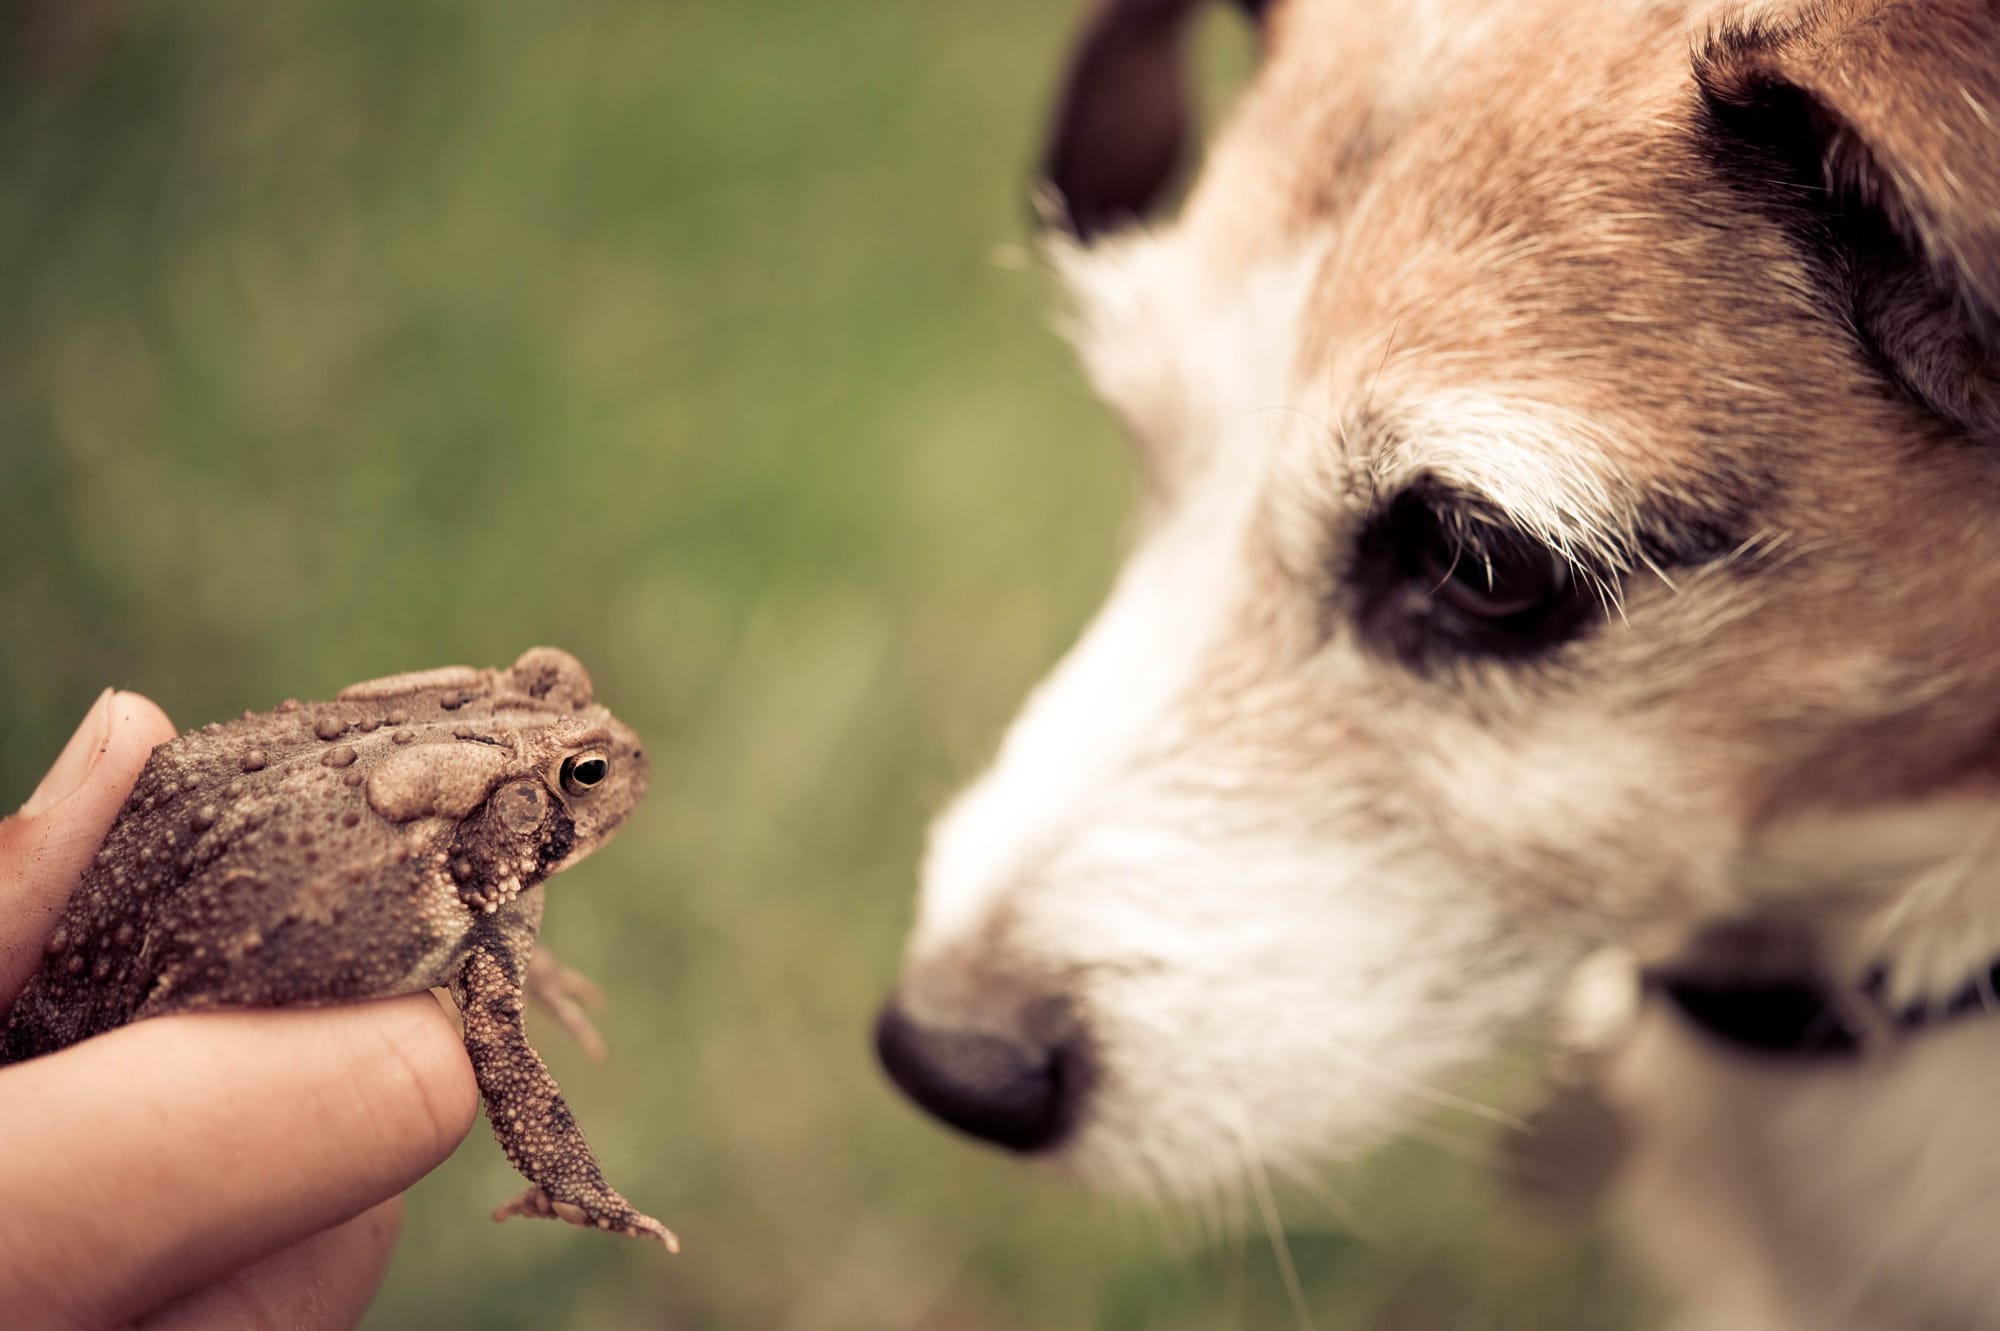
{"x": 343, "y": 338}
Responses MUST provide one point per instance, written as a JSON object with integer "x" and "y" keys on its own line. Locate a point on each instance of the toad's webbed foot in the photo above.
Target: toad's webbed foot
{"x": 533, "y": 1125}
{"x": 536, "y": 1202}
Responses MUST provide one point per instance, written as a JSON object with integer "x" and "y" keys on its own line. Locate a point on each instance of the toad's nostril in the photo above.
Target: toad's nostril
{"x": 1019, "y": 1094}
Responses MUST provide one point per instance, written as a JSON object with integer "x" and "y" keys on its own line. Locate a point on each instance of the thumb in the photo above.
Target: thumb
{"x": 45, "y": 848}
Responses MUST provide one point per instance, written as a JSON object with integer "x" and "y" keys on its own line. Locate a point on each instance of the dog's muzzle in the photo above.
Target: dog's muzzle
{"x": 1020, "y": 1092}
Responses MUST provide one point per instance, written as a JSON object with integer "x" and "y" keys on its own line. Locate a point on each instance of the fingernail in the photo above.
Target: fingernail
{"x": 75, "y": 761}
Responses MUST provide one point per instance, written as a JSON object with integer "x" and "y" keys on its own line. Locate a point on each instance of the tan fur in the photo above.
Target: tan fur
{"x": 1539, "y": 225}
{"x": 1535, "y": 251}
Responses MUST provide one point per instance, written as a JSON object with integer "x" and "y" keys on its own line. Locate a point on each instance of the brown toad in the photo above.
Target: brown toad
{"x": 392, "y": 840}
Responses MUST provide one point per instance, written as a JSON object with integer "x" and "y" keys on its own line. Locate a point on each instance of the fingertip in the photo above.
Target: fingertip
{"x": 140, "y": 720}
{"x": 102, "y": 758}
{"x": 389, "y": 1078}
{"x": 45, "y": 848}
{"x": 382, "y": 1223}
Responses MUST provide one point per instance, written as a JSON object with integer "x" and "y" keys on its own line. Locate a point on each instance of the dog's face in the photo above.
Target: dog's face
{"x": 1552, "y": 493}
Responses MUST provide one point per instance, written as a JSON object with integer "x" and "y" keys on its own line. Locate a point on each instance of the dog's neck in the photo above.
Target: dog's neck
{"x": 1807, "y": 1016}
{"x": 1860, "y": 930}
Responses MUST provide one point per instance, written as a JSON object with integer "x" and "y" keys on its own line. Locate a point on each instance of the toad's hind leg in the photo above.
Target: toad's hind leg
{"x": 529, "y": 1118}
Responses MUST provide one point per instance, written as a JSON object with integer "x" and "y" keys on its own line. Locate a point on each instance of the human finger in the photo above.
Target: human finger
{"x": 45, "y": 847}
{"x": 149, "y": 1161}
{"x": 321, "y": 1283}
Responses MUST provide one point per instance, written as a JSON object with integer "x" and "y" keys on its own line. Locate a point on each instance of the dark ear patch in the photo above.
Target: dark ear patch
{"x": 1874, "y": 128}
{"x": 1121, "y": 120}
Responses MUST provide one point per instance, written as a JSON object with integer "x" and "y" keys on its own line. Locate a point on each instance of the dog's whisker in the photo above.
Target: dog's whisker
{"x": 1224, "y": 1198}
{"x": 1267, "y": 1206}
{"x": 1607, "y": 598}
{"x": 1204, "y": 1204}
{"x": 1435, "y": 1096}
{"x": 1322, "y": 1192}
{"x": 1453, "y": 1144}
{"x": 1181, "y": 1224}
{"x": 1658, "y": 572}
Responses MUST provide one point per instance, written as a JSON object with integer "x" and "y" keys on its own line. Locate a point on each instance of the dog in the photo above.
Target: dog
{"x": 1569, "y": 528}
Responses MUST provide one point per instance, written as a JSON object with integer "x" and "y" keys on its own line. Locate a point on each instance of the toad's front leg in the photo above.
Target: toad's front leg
{"x": 566, "y": 994}
{"x": 529, "y": 1118}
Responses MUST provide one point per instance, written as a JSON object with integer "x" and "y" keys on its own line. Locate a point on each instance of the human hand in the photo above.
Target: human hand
{"x": 221, "y": 1170}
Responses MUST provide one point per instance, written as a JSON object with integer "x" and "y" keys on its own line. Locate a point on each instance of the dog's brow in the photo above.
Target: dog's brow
{"x": 1555, "y": 474}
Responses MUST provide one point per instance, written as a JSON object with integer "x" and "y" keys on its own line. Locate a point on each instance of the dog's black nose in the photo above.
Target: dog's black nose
{"x": 1014, "y": 1093}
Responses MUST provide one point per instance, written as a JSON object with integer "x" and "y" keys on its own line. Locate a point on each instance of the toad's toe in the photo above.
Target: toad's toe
{"x": 616, "y": 1220}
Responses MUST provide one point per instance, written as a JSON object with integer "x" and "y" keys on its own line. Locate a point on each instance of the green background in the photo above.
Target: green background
{"x": 704, "y": 340}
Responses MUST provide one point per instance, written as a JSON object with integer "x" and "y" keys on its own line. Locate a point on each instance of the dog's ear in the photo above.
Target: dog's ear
{"x": 1875, "y": 124}
{"x": 1121, "y": 118}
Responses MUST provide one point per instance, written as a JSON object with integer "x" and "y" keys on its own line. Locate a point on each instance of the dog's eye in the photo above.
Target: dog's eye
{"x": 1442, "y": 575}
{"x": 1495, "y": 576}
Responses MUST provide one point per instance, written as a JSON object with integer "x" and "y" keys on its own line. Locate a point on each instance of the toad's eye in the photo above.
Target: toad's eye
{"x": 584, "y": 770}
